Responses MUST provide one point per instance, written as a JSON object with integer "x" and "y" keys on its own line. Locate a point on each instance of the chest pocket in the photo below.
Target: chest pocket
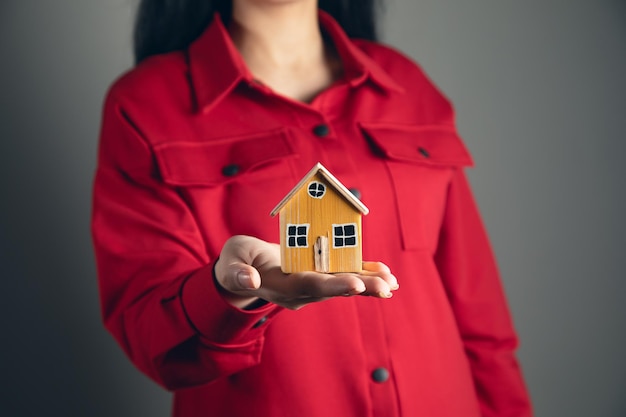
{"x": 231, "y": 184}
{"x": 221, "y": 161}
{"x": 421, "y": 161}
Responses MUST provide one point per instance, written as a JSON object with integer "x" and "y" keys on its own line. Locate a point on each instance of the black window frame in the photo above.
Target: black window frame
{"x": 342, "y": 238}
{"x": 297, "y": 235}
{"x": 319, "y": 187}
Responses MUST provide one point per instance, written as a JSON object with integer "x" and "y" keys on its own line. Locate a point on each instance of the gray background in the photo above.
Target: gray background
{"x": 540, "y": 92}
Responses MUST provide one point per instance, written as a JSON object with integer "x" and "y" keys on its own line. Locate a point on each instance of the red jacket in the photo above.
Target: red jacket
{"x": 193, "y": 151}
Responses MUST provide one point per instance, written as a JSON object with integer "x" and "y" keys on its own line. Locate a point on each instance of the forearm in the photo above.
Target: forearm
{"x": 179, "y": 331}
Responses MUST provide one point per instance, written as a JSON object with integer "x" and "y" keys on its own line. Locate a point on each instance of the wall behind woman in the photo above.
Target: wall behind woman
{"x": 540, "y": 98}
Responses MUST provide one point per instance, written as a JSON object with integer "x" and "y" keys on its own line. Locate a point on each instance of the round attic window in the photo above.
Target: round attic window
{"x": 317, "y": 189}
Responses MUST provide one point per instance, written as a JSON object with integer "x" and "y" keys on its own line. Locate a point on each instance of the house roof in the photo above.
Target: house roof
{"x": 334, "y": 182}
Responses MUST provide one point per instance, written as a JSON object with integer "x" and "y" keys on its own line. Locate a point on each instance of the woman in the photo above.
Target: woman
{"x": 229, "y": 106}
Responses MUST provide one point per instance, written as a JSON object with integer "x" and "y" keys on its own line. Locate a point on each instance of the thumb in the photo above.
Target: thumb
{"x": 240, "y": 277}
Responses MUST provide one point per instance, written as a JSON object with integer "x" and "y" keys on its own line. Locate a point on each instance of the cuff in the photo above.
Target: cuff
{"x": 214, "y": 318}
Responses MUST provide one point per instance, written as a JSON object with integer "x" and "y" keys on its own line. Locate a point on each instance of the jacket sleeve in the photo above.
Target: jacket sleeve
{"x": 157, "y": 291}
{"x": 468, "y": 269}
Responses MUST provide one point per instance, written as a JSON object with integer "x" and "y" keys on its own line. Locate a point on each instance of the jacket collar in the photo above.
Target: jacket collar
{"x": 216, "y": 67}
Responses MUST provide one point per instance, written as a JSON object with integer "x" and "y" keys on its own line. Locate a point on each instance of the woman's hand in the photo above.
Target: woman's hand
{"x": 249, "y": 269}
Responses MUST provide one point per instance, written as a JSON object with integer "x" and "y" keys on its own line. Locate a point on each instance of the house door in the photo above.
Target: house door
{"x": 322, "y": 262}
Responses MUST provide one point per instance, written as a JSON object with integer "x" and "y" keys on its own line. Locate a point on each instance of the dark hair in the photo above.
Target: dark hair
{"x": 169, "y": 25}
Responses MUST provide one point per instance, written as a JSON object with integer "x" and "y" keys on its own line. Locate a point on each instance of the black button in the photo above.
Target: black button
{"x": 380, "y": 375}
{"x": 321, "y": 130}
{"x": 260, "y": 322}
{"x": 424, "y": 152}
{"x": 230, "y": 170}
{"x": 355, "y": 192}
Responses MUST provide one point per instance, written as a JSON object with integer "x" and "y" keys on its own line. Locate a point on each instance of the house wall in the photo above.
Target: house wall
{"x": 321, "y": 214}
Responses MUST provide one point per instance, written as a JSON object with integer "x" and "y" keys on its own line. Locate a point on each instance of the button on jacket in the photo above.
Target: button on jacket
{"x": 193, "y": 150}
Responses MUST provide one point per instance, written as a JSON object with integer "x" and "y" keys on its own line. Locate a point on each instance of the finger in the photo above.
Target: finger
{"x": 388, "y": 277}
{"x": 376, "y": 286}
{"x": 236, "y": 269}
{"x": 381, "y": 270}
{"x": 237, "y": 277}
{"x": 375, "y": 267}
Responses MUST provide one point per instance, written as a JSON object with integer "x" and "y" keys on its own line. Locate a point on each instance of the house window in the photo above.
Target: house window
{"x": 317, "y": 189}
{"x": 297, "y": 235}
{"x": 344, "y": 235}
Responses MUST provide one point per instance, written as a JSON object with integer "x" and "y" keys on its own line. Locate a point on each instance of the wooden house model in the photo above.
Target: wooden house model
{"x": 320, "y": 225}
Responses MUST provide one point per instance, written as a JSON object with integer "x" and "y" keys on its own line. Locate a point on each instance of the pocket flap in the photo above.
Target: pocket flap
{"x": 219, "y": 161}
{"x": 431, "y": 144}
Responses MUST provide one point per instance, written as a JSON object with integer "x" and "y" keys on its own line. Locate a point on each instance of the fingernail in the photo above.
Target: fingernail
{"x": 244, "y": 279}
{"x": 385, "y": 295}
{"x": 358, "y": 290}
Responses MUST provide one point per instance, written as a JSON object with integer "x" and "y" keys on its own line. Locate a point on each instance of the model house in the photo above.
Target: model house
{"x": 320, "y": 225}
